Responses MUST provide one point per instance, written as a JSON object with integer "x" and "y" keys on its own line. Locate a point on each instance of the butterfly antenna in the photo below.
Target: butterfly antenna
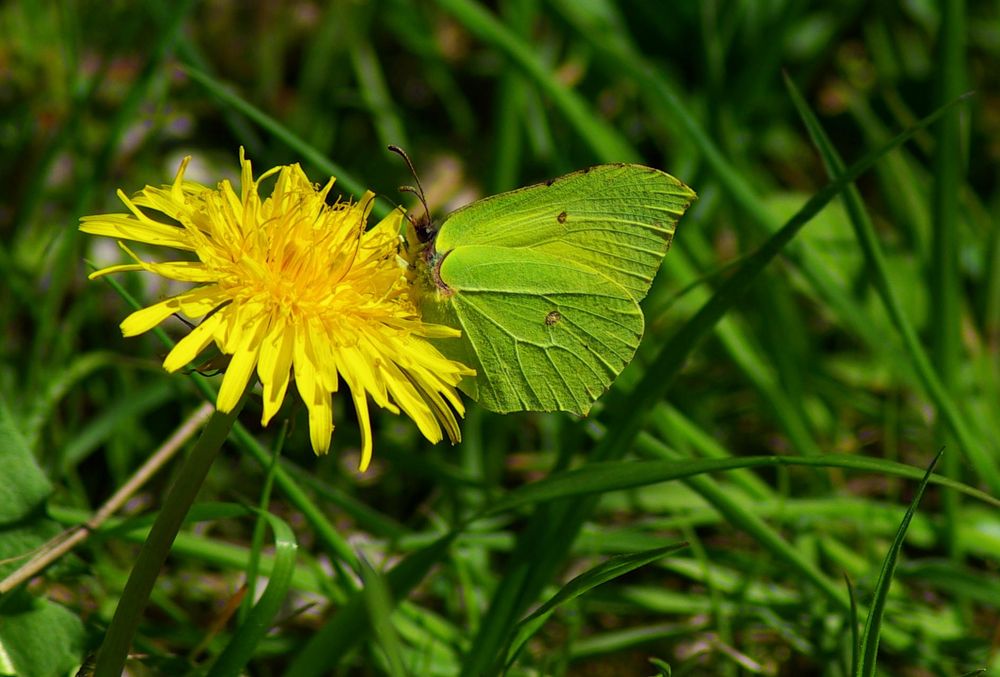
{"x": 419, "y": 190}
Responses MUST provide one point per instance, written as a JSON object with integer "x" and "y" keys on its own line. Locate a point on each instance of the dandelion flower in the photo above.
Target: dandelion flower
{"x": 289, "y": 284}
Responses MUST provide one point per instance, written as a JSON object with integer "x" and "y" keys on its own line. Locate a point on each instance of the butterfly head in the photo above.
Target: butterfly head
{"x": 423, "y": 228}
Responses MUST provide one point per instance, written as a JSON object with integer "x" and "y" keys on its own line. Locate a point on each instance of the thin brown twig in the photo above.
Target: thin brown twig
{"x": 67, "y": 540}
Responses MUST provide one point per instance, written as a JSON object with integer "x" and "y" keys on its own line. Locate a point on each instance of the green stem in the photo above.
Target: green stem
{"x": 945, "y": 279}
{"x": 114, "y": 650}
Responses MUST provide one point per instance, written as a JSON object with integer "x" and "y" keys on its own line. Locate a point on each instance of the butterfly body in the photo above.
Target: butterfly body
{"x": 545, "y": 282}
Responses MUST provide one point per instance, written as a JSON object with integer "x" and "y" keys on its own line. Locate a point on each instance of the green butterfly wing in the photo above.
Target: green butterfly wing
{"x": 542, "y": 333}
{"x": 616, "y": 219}
{"x": 545, "y": 283}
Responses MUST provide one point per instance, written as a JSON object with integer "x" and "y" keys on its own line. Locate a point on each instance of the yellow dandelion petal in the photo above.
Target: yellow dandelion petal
{"x": 315, "y": 395}
{"x": 304, "y": 364}
{"x": 145, "y": 319}
{"x": 442, "y": 412}
{"x": 127, "y": 227}
{"x": 320, "y": 421}
{"x": 327, "y": 367}
{"x": 361, "y": 406}
{"x": 191, "y": 345}
{"x": 273, "y": 366}
{"x": 120, "y": 268}
{"x": 177, "y": 187}
{"x": 201, "y": 301}
{"x": 292, "y": 287}
{"x": 405, "y": 393}
{"x": 241, "y": 366}
{"x": 389, "y": 227}
{"x": 440, "y": 331}
{"x": 193, "y": 304}
{"x": 182, "y": 271}
{"x": 357, "y": 371}
{"x": 157, "y": 200}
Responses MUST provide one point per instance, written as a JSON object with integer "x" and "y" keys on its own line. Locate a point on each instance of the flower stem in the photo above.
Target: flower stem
{"x": 114, "y": 650}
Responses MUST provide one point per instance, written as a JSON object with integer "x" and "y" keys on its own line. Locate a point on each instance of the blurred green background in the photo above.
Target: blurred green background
{"x": 880, "y": 348}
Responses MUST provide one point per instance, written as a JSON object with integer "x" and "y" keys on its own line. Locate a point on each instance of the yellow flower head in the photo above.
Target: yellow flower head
{"x": 287, "y": 284}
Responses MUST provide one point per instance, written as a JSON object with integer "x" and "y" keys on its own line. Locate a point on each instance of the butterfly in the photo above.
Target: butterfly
{"x": 544, "y": 283}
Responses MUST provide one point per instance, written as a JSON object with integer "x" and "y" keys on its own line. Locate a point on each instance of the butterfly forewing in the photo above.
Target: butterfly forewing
{"x": 616, "y": 219}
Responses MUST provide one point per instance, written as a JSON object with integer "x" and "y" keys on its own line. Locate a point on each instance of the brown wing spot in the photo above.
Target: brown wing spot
{"x": 553, "y": 317}
{"x": 562, "y": 217}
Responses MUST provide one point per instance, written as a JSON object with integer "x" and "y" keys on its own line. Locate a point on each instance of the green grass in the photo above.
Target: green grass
{"x": 825, "y": 324}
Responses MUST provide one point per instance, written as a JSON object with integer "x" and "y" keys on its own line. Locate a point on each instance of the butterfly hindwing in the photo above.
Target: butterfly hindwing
{"x": 546, "y": 333}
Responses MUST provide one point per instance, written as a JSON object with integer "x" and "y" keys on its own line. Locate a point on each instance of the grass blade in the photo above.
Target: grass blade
{"x": 175, "y": 506}
{"x": 599, "y": 478}
{"x": 350, "y": 624}
{"x": 853, "y": 620}
{"x": 379, "y": 604}
{"x": 609, "y": 570}
{"x": 870, "y": 638}
{"x": 945, "y": 280}
{"x": 371, "y": 81}
{"x": 977, "y": 453}
{"x": 604, "y": 140}
{"x": 244, "y": 642}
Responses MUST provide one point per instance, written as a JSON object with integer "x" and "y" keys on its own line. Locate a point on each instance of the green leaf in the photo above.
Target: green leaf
{"x": 24, "y": 486}
{"x": 38, "y": 638}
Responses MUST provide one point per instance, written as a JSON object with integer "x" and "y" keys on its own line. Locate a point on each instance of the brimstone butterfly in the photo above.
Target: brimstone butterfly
{"x": 544, "y": 283}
